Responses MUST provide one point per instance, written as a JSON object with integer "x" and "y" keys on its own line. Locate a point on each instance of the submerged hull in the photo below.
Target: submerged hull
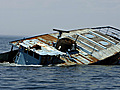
{"x": 96, "y": 46}
{"x": 24, "y": 58}
{"x": 8, "y": 56}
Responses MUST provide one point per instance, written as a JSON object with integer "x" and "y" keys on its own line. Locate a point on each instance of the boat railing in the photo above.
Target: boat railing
{"x": 109, "y": 30}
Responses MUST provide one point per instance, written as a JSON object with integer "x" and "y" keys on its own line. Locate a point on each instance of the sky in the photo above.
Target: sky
{"x": 34, "y": 17}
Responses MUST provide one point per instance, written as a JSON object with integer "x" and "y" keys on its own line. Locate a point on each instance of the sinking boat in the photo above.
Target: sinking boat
{"x": 93, "y": 46}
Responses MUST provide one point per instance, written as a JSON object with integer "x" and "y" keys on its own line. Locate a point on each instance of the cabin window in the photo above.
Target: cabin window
{"x": 104, "y": 43}
{"x": 30, "y": 53}
{"x": 89, "y": 36}
{"x": 25, "y": 50}
{"x": 36, "y": 55}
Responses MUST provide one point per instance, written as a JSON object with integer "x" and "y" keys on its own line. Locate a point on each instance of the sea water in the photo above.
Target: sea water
{"x": 80, "y": 77}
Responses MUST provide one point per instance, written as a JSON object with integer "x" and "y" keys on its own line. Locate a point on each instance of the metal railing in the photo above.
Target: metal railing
{"x": 109, "y": 30}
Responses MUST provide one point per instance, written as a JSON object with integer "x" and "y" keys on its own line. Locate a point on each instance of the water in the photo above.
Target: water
{"x": 82, "y": 77}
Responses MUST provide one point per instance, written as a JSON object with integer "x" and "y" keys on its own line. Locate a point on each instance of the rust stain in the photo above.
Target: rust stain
{"x": 48, "y": 37}
{"x": 85, "y": 57}
{"x": 115, "y": 53}
{"x": 65, "y": 59}
{"x": 93, "y": 58}
{"x": 77, "y": 60}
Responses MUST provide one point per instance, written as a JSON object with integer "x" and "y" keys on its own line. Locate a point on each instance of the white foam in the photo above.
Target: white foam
{"x": 13, "y": 64}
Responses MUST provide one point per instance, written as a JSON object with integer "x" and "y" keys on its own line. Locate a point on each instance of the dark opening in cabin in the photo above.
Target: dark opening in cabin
{"x": 66, "y": 44}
